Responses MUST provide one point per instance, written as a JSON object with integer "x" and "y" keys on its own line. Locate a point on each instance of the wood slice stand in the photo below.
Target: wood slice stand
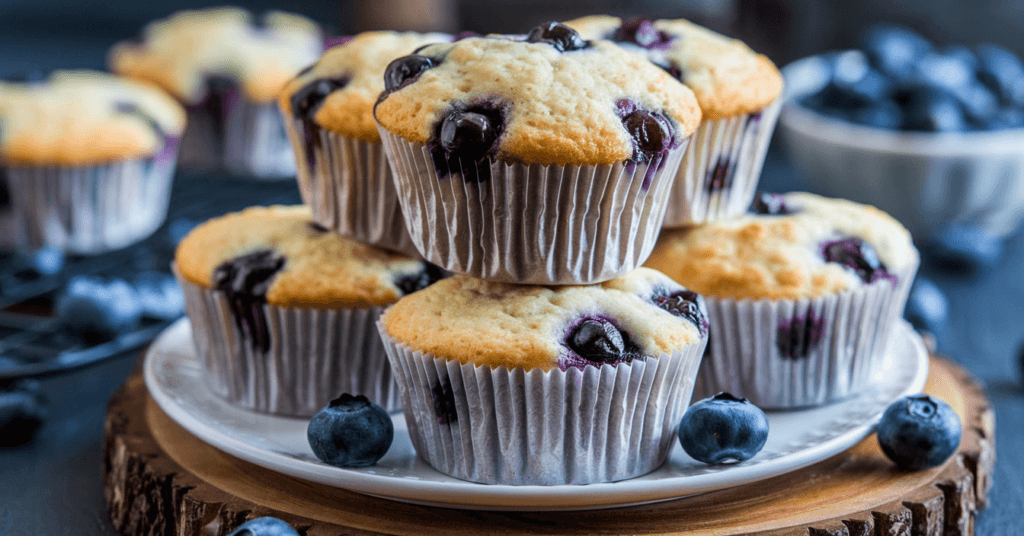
{"x": 161, "y": 480}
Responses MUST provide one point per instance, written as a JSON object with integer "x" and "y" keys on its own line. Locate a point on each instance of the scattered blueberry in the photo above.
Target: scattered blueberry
{"x": 159, "y": 295}
{"x": 857, "y": 255}
{"x": 797, "y": 337}
{"x": 96, "y": 309}
{"x": 558, "y": 35}
{"x": 918, "y": 432}
{"x": 23, "y": 409}
{"x": 419, "y": 281}
{"x": 178, "y": 229}
{"x": 264, "y": 526}
{"x": 245, "y": 281}
{"x": 927, "y": 307}
{"x": 723, "y": 429}
{"x": 350, "y": 431}
{"x": 597, "y": 341}
{"x": 964, "y": 249}
{"x": 642, "y": 32}
{"x": 685, "y": 304}
{"x": 770, "y": 205}
{"x": 404, "y": 70}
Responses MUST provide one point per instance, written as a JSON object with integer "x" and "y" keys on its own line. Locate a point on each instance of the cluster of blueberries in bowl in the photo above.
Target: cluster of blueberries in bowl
{"x": 900, "y": 80}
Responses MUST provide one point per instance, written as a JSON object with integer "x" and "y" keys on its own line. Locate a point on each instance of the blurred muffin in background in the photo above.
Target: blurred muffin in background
{"x": 227, "y": 69}
{"x": 88, "y": 160}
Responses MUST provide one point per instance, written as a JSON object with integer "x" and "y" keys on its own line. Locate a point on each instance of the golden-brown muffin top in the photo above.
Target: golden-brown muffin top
{"x": 180, "y": 52}
{"x": 321, "y": 269}
{"x": 499, "y": 324}
{"x": 85, "y": 118}
{"x": 359, "y": 64}
{"x": 551, "y": 107}
{"x": 726, "y": 75}
{"x": 784, "y": 256}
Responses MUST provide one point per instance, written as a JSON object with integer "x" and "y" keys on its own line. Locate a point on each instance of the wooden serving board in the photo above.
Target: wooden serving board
{"x": 161, "y": 480}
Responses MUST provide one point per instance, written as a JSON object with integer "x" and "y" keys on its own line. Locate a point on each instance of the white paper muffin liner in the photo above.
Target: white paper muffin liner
{"x": 256, "y": 144}
{"x": 853, "y": 327}
{"x": 732, "y": 148}
{"x": 89, "y": 209}
{"x": 538, "y": 427}
{"x": 315, "y": 355}
{"x": 350, "y": 189}
{"x": 533, "y": 224}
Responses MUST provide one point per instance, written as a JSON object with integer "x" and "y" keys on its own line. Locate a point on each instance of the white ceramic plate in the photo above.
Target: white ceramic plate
{"x": 797, "y": 439}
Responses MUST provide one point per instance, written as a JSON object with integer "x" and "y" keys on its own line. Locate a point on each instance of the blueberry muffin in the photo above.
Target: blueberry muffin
{"x": 343, "y": 173}
{"x": 228, "y": 70}
{"x": 738, "y": 91}
{"x": 510, "y": 384}
{"x": 88, "y": 159}
{"x": 542, "y": 159}
{"x": 802, "y": 296}
{"x": 283, "y": 310}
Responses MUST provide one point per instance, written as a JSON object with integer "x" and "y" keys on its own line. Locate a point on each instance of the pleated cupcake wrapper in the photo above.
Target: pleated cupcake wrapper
{"x": 350, "y": 189}
{"x": 315, "y": 355}
{"x": 256, "y": 144}
{"x": 532, "y": 224}
{"x": 89, "y": 209}
{"x": 518, "y": 427}
{"x": 730, "y": 152}
{"x": 852, "y": 330}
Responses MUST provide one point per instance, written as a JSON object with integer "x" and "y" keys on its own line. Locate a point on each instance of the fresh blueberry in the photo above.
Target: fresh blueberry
{"x": 178, "y": 229}
{"x": 596, "y": 341}
{"x": 245, "y": 281}
{"x": 42, "y": 262}
{"x": 894, "y": 49}
{"x": 927, "y": 307}
{"x": 770, "y": 205}
{"x": 23, "y": 409}
{"x": 652, "y": 133}
{"x": 350, "y": 431}
{"x": 918, "y": 432}
{"x": 979, "y": 104}
{"x": 944, "y": 71}
{"x": 642, "y": 32}
{"x": 685, "y": 304}
{"x": 159, "y": 295}
{"x": 964, "y": 249}
{"x": 1020, "y": 363}
{"x": 883, "y": 114}
{"x": 419, "y": 281}
{"x": 558, "y": 35}
{"x": 1002, "y": 71}
{"x": 857, "y": 255}
{"x": 98, "y": 310}
{"x": 929, "y": 109}
{"x": 723, "y": 429}
{"x": 264, "y": 526}
{"x": 404, "y": 70}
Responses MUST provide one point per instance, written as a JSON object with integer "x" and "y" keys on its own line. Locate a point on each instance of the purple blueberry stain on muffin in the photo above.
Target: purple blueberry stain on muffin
{"x": 720, "y": 176}
{"x": 466, "y": 139}
{"x": 245, "y": 281}
{"x": 767, "y": 204}
{"x": 464, "y": 35}
{"x": 684, "y": 304}
{"x": 169, "y": 143}
{"x": 558, "y": 35}
{"x": 409, "y": 283}
{"x": 798, "y": 336}
{"x": 641, "y": 32}
{"x": 330, "y": 42}
{"x": 596, "y": 341}
{"x": 306, "y": 102}
{"x": 444, "y": 402}
{"x": 858, "y": 256}
{"x": 653, "y": 136}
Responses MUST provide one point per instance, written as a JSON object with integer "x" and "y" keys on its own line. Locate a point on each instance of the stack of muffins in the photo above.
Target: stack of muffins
{"x": 540, "y": 170}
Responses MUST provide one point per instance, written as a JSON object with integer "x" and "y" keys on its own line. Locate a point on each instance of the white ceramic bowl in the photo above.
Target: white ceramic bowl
{"x": 925, "y": 180}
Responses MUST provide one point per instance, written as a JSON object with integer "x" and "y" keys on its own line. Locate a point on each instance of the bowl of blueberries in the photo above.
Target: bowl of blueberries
{"x": 932, "y": 135}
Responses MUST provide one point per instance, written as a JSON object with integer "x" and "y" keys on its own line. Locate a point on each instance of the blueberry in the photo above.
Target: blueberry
{"x": 98, "y": 310}
{"x": 468, "y": 134}
{"x": 643, "y": 33}
{"x": 130, "y": 108}
{"x": 159, "y": 295}
{"x": 597, "y": 341}
{"x": 1006, "y": 118}
{"x": 306, "y": 102}
{"x": 685, "y": 304}
{"x": 894, "y": 49}
{"x": 770, "y": 205}
{"x": 404, "y": 70}
{"x": 1002, "y": 71}
{"x": 245, "y": 281}
{"x": 42, "y": 262}
{"x": 652, "y": 133}
{"x": 857, "y": 255}
{"x": 979, "y": 104}
{"x": 466, "y": 138}
{"x": 23, "y": 409}
{"x": 419, "y": 281}
{"x": 264, "y": 526}
{"x": 350, "y": 431}
{"x": 964, "y": 249}
{"x": 918, "y": 432}
{"x": 929, "y": 109}
{"x": 558, "y": 35}
{"x": 884, "y": 114}
{"x": 944, "y": 71}
{"x": 673, "y": 69}
{"x": 723, "y": 429}
{"x": 927, "y": 307}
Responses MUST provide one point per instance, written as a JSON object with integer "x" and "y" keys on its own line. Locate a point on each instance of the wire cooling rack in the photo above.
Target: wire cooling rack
{"x": 33, "y": 342}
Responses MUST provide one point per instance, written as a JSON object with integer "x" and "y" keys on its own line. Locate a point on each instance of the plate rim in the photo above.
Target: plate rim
{"x": 498, "y": 496}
